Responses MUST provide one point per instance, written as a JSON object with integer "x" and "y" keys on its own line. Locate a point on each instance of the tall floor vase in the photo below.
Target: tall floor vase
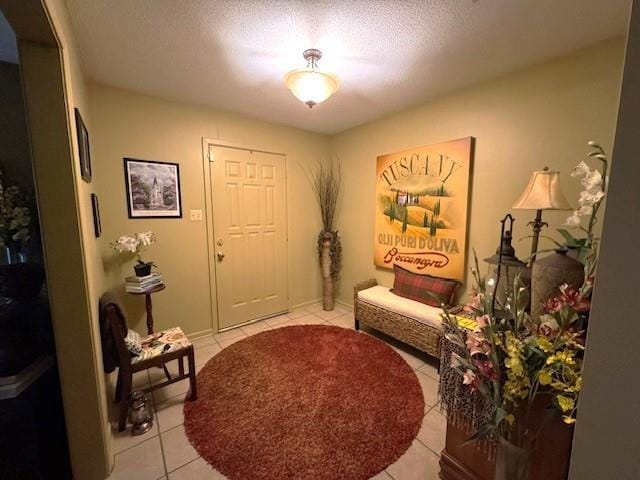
{"x": 328, "y": 296}
{"x": 512, "y": 462}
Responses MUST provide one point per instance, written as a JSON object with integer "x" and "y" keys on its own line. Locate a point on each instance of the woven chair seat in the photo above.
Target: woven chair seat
{"x": 158, "y": 343}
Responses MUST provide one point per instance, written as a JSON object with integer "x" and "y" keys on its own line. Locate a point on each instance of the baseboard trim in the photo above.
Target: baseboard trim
{"x": 200, "y": 334}
{"x": 319, "y": 300}
{"x": 344, "y": 304}
{"x": 305, "y": 304}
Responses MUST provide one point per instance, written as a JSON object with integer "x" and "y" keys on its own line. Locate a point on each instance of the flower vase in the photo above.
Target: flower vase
{"x": 328, "y": 298}
{"x": 512, "y": 462}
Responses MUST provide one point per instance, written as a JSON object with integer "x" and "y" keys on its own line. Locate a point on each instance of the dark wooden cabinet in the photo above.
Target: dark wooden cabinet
{"x": 476, "y": 461}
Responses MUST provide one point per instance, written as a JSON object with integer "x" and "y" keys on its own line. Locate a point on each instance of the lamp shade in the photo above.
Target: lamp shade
{"x": 543, "y": 193}
{"x": 311, "y": 86}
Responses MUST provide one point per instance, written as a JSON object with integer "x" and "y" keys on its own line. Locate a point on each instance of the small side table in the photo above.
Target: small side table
{"x": 148, "y": 305}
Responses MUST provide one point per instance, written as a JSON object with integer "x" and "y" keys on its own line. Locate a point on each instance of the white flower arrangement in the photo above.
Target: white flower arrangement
{"x": 594, "y": 183}
{"x": 136, "y": 243}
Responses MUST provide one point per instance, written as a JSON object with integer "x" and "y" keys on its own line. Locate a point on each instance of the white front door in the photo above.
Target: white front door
{"x": 250, "y": 234}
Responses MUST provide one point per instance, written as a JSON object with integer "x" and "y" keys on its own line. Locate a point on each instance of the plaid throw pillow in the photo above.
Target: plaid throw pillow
{"x": 422, "y": 288}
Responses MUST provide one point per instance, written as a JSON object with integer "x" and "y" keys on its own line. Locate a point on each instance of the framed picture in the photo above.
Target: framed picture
{"x": 84, "y": 151}
{"x": 153, "y": 189}
{"x": 95, "y": 207}
{"x": 422, "y": 197}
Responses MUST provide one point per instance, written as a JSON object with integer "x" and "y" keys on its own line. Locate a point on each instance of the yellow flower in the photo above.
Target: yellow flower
{"x": 515, "y": 365}
{"x": 568, "y": 420}
{"x": 544, "y": 377}
{"x": 565, "y": 357}
{"x": 544, "y": 344}
{"x": 510, "y": 419}
{"x": 578, "y": 385}
{"x": 566, "y": 404}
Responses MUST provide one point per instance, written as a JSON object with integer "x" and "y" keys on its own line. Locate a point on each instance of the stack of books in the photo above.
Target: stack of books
{"x": 143, "y": 284}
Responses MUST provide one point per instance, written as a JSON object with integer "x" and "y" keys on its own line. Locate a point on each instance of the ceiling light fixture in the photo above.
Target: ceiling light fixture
{"x": 310, "y": 85}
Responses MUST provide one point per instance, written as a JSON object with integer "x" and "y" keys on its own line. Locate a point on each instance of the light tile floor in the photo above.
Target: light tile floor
{"x": 165, "y": 453}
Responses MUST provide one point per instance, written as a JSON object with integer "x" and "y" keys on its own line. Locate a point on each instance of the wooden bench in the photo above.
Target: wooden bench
{"x": 406, "y": 320}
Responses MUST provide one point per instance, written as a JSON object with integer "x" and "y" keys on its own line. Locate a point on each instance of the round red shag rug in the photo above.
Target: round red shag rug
{"x": 305, "y": 402}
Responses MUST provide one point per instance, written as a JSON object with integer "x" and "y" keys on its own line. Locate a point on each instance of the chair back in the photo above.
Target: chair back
{"x": 113, "y": 330}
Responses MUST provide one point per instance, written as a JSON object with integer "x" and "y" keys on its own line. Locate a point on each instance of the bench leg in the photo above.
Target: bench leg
{"x": 357, "y": 324}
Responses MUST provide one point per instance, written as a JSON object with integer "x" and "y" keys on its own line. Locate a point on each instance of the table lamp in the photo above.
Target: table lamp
{"x": 542, "y": 193}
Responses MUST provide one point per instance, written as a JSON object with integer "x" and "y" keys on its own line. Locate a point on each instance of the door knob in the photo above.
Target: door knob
{"x": 220, "y": 256}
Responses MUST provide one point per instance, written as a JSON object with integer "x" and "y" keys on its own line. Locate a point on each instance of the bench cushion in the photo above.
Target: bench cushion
{"x": 383, "y": 297}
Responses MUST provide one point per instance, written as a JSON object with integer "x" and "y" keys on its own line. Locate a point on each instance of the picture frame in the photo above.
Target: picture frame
{"x": 95, "y": 208}
{"x": 153, "y": 188}
{"x": 422, "y": 208}
{"x": 84, "y": 150}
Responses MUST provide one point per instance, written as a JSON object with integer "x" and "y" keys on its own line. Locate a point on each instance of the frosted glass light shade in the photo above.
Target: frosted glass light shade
{"x": 543, "y": 193}
{"x": 311, "y": 86}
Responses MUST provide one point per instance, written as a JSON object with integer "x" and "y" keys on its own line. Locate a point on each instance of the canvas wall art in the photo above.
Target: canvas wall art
{"x": 153, "y": 189}
{"x": 421, "y": 208}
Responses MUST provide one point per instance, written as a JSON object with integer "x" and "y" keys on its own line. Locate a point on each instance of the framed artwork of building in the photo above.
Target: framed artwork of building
{"x": 153, "y": 189}
{"x": 422, "y": 199}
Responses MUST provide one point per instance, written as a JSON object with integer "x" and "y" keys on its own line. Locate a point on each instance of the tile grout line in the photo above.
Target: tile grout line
{"x": 428, "y": 447}
{"x": 189, "y": 463}
{"x": 385, "y": 471}
{"x": 164, "y": 460}
{"x": 137, "y": 444}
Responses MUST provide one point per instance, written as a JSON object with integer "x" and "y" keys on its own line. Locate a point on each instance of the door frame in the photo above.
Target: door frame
{"x": 208, "y": 218}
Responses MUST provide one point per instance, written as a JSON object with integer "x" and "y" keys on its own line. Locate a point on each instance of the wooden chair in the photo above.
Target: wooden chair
{"x": 158, "y": 349}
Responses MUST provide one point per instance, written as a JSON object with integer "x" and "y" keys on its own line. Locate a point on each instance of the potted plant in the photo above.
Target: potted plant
{"x": 326, "y": 180}
{"x": 136, "y": 244}
{"x": 15, "y": 221}
{"x": 515, "y": 361}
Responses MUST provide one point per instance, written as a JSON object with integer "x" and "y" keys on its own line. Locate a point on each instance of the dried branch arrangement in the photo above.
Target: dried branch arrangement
{"x": 326, "y": 179}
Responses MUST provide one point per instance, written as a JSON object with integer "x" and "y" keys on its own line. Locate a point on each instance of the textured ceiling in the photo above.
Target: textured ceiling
{"x": 389, "y": 55}
{"x": 8, "y": 46}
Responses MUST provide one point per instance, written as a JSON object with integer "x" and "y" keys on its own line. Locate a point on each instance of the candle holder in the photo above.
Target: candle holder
{"x": 140, "y": 414}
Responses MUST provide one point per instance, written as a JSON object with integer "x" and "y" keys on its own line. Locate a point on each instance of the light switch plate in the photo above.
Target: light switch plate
{"x": 195, "y": 215}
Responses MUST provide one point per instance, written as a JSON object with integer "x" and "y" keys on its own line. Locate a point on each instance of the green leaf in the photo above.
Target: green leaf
{"x": 565, "y": 233}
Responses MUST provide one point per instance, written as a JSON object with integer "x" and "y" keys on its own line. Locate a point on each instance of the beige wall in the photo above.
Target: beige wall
{"x": 540, "y": 116}
{"x": 606, "y": 441}
{"x": 126, "y": 124}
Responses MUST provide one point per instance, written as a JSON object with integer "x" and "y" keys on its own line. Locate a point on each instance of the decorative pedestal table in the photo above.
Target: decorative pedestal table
{"x": 148, "y": 305}
{"x": 466, "y": 411}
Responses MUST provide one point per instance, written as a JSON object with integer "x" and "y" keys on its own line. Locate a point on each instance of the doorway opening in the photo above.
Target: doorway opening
{"x": 33, "y": 435}
{"x": 248, "y": 240}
